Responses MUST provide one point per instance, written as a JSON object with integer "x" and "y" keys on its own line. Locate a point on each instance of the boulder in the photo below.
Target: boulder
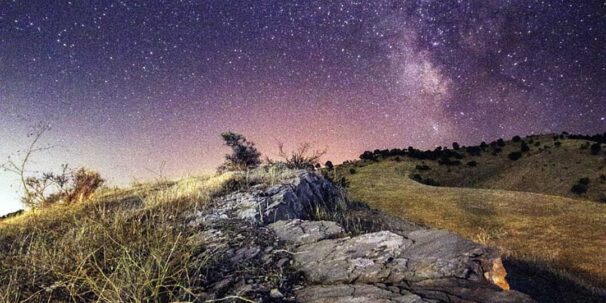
{"x": 304, "y": 196}
{"x": 346, "y": 293}
{"x": 301, "y": 232}
{"x": 431, "y": 263}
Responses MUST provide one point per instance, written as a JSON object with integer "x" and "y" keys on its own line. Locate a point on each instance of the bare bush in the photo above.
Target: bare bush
{"x": 32, "y": 187}
{"x": 68, "y": 187}
{"x": 303, "y": 157}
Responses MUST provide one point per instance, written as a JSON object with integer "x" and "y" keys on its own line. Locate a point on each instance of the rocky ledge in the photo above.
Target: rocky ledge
{"x": 271, "y": 246}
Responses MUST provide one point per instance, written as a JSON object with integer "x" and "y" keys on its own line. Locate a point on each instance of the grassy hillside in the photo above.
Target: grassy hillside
{"x": 123, "y": 245}
{"x": 550, "y": 166}
{"x": 565, "y": 234}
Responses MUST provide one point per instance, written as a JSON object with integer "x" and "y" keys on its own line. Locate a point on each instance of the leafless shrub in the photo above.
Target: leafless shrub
{"x": 303, "y": 157}
{"x": 33, "y": 188}
{"x": 68, "y": 187}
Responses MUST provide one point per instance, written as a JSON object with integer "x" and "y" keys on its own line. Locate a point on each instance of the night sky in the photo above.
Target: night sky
{"x": 129, "y": 85}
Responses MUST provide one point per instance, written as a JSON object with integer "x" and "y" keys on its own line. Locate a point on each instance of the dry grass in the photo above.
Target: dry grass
{"x": 550, "y": 171}
{"x": 120, "y": 246}
{"x": 567, "y": 234}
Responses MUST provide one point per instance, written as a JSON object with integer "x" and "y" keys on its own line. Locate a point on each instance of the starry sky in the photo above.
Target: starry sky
{"x": 131, "y": 87}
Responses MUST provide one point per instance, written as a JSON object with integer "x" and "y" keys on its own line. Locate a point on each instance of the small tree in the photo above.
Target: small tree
{"x": 329, "y": 165}
{"x": 244, "y": 153}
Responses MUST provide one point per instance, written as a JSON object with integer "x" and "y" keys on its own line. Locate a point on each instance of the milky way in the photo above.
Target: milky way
{"x": 128, "y": 85}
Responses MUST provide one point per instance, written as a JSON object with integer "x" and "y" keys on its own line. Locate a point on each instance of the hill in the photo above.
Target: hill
{"x": 564, "y": 235}
{"x": 257, "y": 236}
{"x": 563, "y": 165}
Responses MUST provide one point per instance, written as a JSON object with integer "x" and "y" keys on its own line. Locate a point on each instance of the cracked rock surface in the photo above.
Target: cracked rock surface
{"x": 301, "y": 232}
{"x": 343, "y": 293}
{"x": 303, "y": 260}
{"x": 300, "y": 197}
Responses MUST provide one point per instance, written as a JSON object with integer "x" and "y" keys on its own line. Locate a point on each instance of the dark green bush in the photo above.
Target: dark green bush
{"x": 514, "y": 156}
{"x": 584, "y": 180}
{"x": 422, "y": 166}
{"x": 595, "y": 148}
{"x": 579, "y": 189}
{"x": 430, "y": 182}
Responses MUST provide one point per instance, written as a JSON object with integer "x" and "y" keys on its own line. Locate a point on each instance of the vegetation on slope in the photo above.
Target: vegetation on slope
{"x": 119, "y": 246}
{"x": 563, "y": 165}
{"x": 566, "y": 235}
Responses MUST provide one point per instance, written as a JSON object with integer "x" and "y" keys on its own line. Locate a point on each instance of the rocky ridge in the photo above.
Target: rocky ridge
{"x": 291, "y": 242}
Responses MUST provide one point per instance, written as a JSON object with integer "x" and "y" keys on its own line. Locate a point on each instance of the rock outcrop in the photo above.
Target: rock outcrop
{"x": 326, "y": 262}
{"x": 301, "y": 197}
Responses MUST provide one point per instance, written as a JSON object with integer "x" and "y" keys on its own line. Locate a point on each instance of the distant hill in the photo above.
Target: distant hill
{"x": 564, "y": 165}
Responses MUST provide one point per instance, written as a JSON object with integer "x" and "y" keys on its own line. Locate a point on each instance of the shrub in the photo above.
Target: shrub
{"x": 304, "y": 157}
{"x": 343, "y": 183}
{"x": 557, "y": 144}
{"x": 579, "y": 189}
{"x": 352, "y": 171}
{"x": 446, "y": 161}
{"x": 584, "y": 180}
{"x": 329, "y": 165}
{"x": 455, "y": 146}
{"x": 585, "y": 145}
{"x": 595, "y": 148}
{"x": 602, "y": 197}
{"x": 244, "y": 153}
{"x": 496, "y": 150}
{"x": 68, "y": 187}
{"x": 472, "y": 163}
{"x": 514, "y": 156}
{"x": 430, "y": 182}
{"x": 417, "y": 177}
{"x": 516, "y": 139}
{"x": 500, "y": 142}
{"x": 483, "y": 145}
{"x": 84, "y": 183}
{"x": 422, "y": 166}
{"x": 367, "y": 155}
{"x": 474, "y": 150}
{"x": 524, "y": 147}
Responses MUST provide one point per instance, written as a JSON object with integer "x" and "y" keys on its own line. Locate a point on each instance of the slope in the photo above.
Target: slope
{"x": 549, "y": 167}
{"x": 566, "y": 235}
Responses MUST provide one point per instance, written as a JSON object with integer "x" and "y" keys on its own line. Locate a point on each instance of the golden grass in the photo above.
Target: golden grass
{"x": 123, "y": 245}
{"x": 550, "y": 171}
{"x": 568, "y": 235}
